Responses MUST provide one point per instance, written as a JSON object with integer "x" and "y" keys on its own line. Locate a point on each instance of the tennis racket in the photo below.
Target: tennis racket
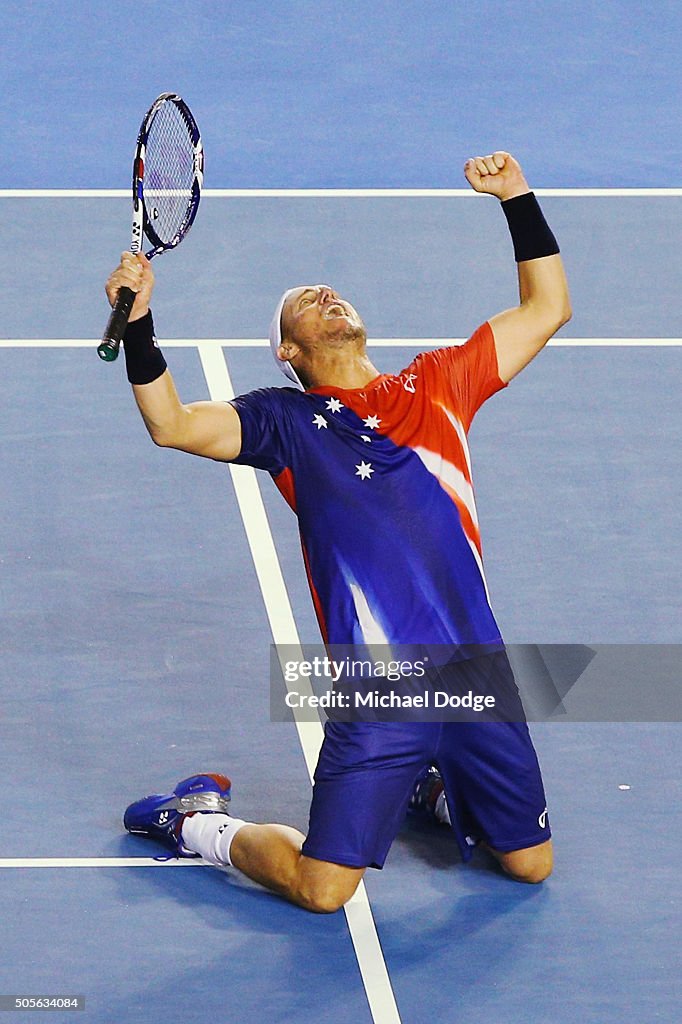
{"x": 168, "y": 172}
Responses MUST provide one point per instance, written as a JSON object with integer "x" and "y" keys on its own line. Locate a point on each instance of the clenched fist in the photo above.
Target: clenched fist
{"x": 498, "y": 174}
{"x": 134, "y": 272}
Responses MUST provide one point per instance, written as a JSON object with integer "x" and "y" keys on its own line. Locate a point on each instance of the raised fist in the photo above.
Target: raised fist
{"x": 498, "y": 174}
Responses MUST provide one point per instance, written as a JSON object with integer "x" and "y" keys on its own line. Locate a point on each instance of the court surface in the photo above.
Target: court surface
{"x": 141, "y": 588}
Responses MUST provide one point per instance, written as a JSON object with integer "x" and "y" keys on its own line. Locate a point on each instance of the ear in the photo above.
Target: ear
{"x": 287, "y": 350}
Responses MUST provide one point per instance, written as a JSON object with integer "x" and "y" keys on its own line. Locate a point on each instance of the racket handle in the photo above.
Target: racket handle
{"x": 115, "y": 329}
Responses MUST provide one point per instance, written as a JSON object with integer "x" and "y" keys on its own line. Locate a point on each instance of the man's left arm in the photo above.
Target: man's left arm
{"x": 544, "y": 304}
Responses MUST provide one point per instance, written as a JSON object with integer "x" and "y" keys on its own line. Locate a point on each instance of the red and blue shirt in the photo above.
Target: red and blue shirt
{"x": 380, "y": 479}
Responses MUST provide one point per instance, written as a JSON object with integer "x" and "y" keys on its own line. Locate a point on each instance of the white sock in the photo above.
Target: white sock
{"x": 441, "y": 810}
{"x": 211, "y": 835}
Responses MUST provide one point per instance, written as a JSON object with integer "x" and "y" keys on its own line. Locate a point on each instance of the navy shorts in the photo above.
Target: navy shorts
{"x": 366, "y": 773}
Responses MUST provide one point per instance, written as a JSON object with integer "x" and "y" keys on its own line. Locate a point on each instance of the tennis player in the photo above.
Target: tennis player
{"x": 376, "y": 467}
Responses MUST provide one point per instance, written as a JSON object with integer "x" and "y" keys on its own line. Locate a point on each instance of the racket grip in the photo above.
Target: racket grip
{"x": 116, "y": 326}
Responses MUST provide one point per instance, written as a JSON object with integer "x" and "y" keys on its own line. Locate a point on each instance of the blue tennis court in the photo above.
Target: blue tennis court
{"x": 141, "y": 588}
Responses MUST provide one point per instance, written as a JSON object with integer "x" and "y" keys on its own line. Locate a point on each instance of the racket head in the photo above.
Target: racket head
{"x": 168, "y": 174}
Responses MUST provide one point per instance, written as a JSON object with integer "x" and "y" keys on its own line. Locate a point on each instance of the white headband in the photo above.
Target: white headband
{"x": 276, "y": 340}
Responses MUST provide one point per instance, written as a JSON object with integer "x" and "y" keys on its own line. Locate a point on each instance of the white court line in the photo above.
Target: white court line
{"x": 284, "y": 632}
{"x": 342, "y": 193}
{"x": 100, "y": 862}
{"x": 416, "y": 343}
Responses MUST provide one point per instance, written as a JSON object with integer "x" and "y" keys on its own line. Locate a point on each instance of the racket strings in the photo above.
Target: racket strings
{"x": 169, "y": 174}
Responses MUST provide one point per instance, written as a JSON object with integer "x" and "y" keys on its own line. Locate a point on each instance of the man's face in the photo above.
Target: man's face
{"x": 316, "y": 315}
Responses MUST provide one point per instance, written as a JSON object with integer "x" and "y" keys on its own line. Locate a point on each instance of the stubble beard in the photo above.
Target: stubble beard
{"x": 350, "y": 333}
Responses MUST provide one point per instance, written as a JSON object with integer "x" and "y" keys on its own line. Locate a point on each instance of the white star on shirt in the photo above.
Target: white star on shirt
{"x": 320, "y": 421}
{"x": 334, "y": 405}
{"x": 366, "y": 438}
{"x": 364, "y": 470}
{"x": 372, "y": 422}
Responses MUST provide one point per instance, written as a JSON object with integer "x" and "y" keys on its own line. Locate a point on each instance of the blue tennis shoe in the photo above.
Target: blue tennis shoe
{"x": 161, "y": 816}
{"x": 428, "y": 787}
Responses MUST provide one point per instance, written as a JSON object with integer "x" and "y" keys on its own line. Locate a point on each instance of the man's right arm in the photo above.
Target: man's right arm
{"x": 210, "y": 429}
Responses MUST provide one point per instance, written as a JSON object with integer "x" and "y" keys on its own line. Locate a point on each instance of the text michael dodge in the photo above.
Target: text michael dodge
{"x": 390, "y": 699}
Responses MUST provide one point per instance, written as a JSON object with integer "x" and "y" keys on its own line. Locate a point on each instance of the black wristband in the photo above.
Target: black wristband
{"x": 531, "y": 234}
{"x": 144, "y": 358}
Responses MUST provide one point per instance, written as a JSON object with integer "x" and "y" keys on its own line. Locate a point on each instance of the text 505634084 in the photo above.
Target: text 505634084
{"x": 43, "y": 1002}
